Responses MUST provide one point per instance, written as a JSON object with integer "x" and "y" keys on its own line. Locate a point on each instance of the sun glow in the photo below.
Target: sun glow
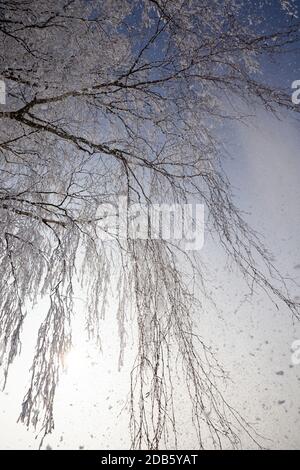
{"x": 75, "y": 361}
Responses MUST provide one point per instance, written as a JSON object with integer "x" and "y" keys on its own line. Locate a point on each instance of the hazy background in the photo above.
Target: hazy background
{"x": 253, "y": 338}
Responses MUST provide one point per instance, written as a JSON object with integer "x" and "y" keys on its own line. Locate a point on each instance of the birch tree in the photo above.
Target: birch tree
{"x": 125, "y": 98}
